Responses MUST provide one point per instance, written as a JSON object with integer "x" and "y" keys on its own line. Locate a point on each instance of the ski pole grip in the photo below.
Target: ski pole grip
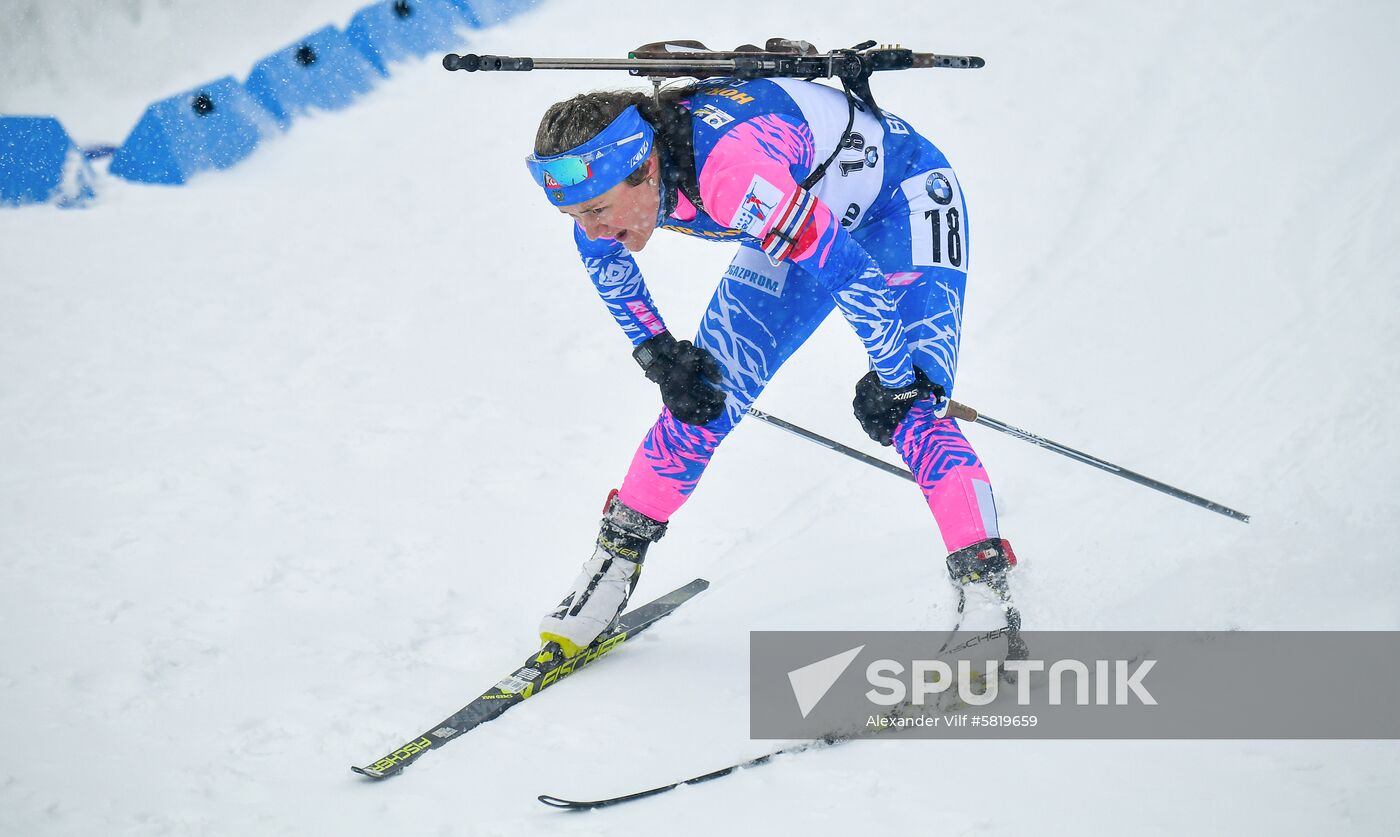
{"x": 473, "y": 63}
{"x": 961, "y": 411}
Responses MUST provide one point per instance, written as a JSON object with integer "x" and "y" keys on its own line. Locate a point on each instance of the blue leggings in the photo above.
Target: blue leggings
{"x": 760, "y": 314}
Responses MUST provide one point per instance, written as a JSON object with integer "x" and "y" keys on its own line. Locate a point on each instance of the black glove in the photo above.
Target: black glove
{"x": 880, "y": 410}
{"x": 687, "y": 374}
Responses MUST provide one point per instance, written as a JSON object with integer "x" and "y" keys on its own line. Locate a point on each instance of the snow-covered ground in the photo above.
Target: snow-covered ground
{"x": 280, "y": 482}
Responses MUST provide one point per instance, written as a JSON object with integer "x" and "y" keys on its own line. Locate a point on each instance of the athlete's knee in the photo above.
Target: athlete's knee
{"x": 928, "y": 431}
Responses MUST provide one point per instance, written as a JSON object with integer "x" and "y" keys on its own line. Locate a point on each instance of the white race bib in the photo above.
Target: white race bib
{"x": 936, "y": 221}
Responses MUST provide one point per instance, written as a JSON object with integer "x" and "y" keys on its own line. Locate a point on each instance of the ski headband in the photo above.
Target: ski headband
{"x": 589, "y": 170}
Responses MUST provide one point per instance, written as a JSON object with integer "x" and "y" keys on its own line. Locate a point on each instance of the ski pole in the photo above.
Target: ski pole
{"x": 831, "y": 444}
{"x": 966, "y": 413}
{"x": 962, "y": 411}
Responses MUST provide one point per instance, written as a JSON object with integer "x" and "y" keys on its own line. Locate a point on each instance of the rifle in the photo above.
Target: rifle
{"x": 779, "y": 58}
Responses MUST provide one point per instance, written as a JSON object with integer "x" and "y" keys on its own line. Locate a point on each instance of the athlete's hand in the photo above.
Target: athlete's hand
{"x": 687, "y": 374}
{"x": 880, "y": 409}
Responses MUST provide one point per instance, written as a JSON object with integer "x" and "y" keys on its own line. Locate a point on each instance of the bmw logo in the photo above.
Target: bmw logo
{"x": 939, "y": 188}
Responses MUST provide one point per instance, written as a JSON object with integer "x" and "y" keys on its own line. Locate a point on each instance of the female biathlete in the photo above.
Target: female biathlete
{"x": 831, "y": 206}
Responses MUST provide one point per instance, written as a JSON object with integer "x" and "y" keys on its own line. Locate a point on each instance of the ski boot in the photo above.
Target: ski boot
{"x": 983, "y": 568}
{"x": 603, "y": 585}
{"x": 986, "y": 561}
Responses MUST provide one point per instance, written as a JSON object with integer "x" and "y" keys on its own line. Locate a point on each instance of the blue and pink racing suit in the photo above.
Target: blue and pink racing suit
{"x": 882, "y": 238}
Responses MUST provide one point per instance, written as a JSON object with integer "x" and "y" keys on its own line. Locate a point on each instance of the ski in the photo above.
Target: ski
{"x": 528, "y": 680}
{"x": 1016, "y": 648}
{"x": 831, "y": 739}
{"x": 581, "y": 805}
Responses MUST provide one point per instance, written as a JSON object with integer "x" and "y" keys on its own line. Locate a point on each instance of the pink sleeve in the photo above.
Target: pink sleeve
{"x": 747, "y": 180}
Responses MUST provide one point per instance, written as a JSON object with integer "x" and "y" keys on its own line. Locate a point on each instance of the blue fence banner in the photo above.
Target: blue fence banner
{"x": 40, "y": 164}
{"x": 209, "y": 127}
{"x": 217, "y": 125}
{"x": 395, "y": 30}
{"x": 323, "y": 70}
{"x": 483, "y": 13}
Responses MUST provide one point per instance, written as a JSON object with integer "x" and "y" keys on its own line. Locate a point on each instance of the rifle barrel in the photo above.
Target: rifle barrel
{"x": 746, "y": 65}
{"x": 633, "y": 63}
